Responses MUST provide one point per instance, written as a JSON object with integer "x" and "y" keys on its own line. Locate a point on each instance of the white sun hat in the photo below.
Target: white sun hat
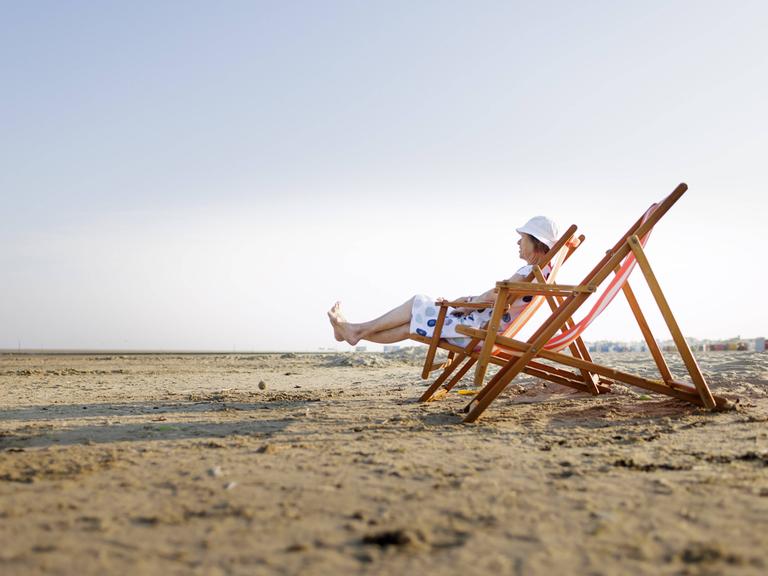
{"x": 541, "y": 228}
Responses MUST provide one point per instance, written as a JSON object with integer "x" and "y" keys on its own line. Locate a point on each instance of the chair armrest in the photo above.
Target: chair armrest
{"x": 434, "y": 342}
{"x": 545, "y": 289}
{"x": 453, "y": 304}
{"x": 479, "y": 333}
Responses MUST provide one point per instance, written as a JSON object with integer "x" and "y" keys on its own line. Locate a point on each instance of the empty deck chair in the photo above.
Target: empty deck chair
{"x": 546, "y": 343}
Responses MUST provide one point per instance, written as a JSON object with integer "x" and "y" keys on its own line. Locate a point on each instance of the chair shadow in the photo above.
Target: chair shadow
{"x": 576, "y": 410}
{"x": 586, "y": 411}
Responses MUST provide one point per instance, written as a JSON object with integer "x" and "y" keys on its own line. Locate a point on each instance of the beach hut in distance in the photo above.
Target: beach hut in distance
{"x": 737, "y": 344}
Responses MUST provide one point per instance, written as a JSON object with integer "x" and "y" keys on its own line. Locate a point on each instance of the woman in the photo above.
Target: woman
{"x": 418, "y": 315}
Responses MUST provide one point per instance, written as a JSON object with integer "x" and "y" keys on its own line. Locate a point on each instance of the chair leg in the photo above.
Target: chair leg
{"x": 433, "y": 344}
{"x": 658, "y": 357}
{"x": 447, "y": 371}
{"x": 490, "y": 338}
{"x": 591, "y": 380}
{"x": 484, "y": 391}
{"x": 460, "y": 374}
{"x": 494, "y": 387}
{"x": 677, "y": 334}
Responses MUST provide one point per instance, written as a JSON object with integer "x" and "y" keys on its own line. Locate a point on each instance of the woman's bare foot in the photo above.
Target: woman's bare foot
{"x": 333, "y": 316}
{"x": 342, "y": 331}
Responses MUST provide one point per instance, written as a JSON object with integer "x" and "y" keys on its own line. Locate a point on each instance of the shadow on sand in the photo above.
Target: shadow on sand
{"x": 42, "y": 426}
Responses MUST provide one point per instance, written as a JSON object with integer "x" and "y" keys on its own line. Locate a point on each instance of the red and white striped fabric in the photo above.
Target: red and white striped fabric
{"x": 565, "y": 339}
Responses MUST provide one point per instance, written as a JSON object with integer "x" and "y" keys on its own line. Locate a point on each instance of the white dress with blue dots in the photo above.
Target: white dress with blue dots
{"x": 424, "y": 316}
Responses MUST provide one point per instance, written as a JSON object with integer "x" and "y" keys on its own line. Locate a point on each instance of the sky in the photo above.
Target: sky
{"x": 188, "y": 175}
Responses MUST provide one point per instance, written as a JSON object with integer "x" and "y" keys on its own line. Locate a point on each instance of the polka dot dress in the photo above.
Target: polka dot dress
{"x": 424, "y": 316}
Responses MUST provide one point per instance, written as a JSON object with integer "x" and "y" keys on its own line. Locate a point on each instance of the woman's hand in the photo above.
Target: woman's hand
{"x": 440, "y": 300}
{"x": 456, "y": 311}
{"x": 461, "y": 311}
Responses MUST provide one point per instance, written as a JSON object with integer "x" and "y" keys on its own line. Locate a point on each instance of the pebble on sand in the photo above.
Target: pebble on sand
{"x": 262, "y": 385}
{"x": 216, "y": 471}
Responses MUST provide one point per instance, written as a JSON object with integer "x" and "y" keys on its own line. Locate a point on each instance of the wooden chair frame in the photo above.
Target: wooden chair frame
{"x": 522, "y": 355}
{"x": 468, "y": 356}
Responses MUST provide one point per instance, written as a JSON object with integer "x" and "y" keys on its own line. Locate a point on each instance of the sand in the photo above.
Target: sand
{"x": 177, "y": 464}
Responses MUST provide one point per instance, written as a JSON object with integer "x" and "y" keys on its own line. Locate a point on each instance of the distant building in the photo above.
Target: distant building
{"x": 361, "y": 348}
{"x": 731, "y": 344}
{"x": 612, "y": 346}
{"x": 388, "y": 349}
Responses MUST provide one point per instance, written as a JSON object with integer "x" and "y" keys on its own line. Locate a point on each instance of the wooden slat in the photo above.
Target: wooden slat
{"x": 472, "y": 332}
{"x": 562, "y": 373}
{"x": 577, "y": 384}
{"x": 552, "y": 289}
{"x": 583, "y": 350}
{"x": 544, "y": 371}
{"x": 456, "y": 304}
{"x": 677, "y": 334}
{"x": 460, "y": 374}
{"x": 490, "y": 335}
{"x": 686, "y": 392}
{"x": 440, "y": 379}
{"x": 490, "y": 387}
{"x": 650, "y": 341}
{"x": 433, "y": 343}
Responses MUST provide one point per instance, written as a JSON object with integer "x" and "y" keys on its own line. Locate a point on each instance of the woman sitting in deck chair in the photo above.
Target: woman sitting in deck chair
{"x": 418, "y": 315}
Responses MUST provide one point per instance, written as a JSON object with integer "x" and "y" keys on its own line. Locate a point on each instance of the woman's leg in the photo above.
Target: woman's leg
{"x": 352, "y": 333}
{"x": 390, "y": 335}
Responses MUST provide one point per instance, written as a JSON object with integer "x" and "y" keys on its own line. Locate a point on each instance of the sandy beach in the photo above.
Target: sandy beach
{"x": 186, "y": 464}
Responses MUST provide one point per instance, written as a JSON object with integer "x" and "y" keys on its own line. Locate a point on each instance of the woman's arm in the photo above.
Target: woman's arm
{"x": 490, "y": 295}
{"x": 487, "y": 296}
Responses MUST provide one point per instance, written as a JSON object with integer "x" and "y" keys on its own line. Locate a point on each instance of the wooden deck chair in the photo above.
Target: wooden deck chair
{"x": 468, "y": 355}
{"x": 546, "y": 344}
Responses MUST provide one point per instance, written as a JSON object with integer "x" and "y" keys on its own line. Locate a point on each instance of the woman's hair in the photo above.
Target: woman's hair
{"x": 538, "y": 245}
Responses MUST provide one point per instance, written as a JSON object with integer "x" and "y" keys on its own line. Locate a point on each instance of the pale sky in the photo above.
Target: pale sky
{"x": 214, "y": 175}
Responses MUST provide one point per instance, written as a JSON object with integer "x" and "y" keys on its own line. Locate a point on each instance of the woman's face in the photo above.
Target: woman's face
{"x": 527, "y": 252}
